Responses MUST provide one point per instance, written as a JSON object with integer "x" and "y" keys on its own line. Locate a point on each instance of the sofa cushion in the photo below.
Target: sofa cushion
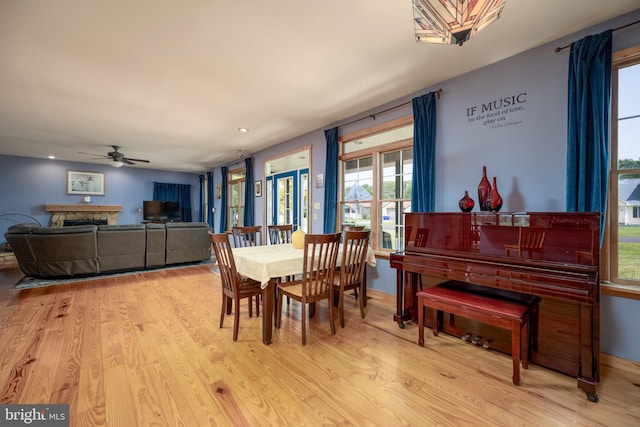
{"x": 156, "y": 245}
{"x": 187, "y": 242}
{"x": 121, "y": 247}
{"x": 65, "y": 251}
{"x": 17, "y": 237}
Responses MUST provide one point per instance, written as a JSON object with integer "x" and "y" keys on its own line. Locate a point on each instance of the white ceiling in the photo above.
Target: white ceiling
{"x": 172, "y": 80}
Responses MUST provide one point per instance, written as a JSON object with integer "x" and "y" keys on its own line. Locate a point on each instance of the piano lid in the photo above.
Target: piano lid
{"x": 562, "y": 237}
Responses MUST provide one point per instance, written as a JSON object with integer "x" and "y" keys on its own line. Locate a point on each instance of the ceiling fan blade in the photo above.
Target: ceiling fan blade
{"x": 127, "y": 161}
{"x": 137, "y": 160}
{"x": 92, "y": 154}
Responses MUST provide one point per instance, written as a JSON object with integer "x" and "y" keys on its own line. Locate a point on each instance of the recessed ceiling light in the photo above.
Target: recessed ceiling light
{"x": 243, "y": 130}
{"x": 52, "y": 157}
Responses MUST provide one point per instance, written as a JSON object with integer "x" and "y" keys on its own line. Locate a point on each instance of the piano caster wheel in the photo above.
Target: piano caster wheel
{"x": 592, "y": 397}
{"x": 466, "y": 337}
{"x": 401, "y": 325}
{"x": 487, "y": 344}
{"x": 476, "y": 340}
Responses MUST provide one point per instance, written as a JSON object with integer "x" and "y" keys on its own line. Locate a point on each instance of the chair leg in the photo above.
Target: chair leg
{"x": 341, "y": 306}
{"x": 303, "y": 319}
{"x": 223, "y": 309}
{"x": 332, "y": 321}
{"x": 236, "y": 319}
{"x": 362, "y": 293}
{"x": 278, "y": 319}
{"x": 250, "y": 299}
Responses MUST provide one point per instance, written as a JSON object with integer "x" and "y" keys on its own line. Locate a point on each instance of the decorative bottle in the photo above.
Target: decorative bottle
{"x": 494, "y": 201}
{"x": 297, "y": 238}
{"x": 466, "y": 204}
{"x": 484, "y": 188}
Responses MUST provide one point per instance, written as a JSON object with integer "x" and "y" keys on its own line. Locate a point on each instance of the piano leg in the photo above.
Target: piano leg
{"x": 406, "y": 300}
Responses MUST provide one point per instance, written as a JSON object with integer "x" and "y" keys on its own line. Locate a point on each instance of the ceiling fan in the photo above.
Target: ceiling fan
{"x": 117, "y": 157}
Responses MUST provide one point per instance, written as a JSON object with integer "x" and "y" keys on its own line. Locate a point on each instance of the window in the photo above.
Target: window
{"x": 377, "y": 168}
{"x": 623, "y": 249}
{"x": 236, "y": 198}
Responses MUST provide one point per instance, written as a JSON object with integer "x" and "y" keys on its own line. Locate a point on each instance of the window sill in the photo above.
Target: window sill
{"x": 622, "y": 291}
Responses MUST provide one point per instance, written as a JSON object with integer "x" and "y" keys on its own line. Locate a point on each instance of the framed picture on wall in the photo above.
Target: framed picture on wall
{"x": 89, "y": 183}
{"x": 218, "y": 191}
{"x": 258, "y": 188}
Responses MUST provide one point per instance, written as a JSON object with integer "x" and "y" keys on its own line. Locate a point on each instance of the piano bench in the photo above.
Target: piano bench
{"x": 492, "y": 310}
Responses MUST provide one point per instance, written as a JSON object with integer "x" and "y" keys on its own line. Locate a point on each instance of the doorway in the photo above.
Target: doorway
{"x": 287, "y": 189}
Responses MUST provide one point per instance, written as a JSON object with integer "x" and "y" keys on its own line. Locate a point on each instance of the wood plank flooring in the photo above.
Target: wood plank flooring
{"x": 146, "y": 350}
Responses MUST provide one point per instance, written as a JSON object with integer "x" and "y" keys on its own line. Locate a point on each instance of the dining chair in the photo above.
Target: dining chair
{"x": 353, "y": 228}
{"x": 280, "y": 234}
{"x": 316, "y": 282}
{"x": 250, "y": 235}
{"x": 352, "y": 267}
{"x": 234, "y": 286}
{"x": 530, "y": 240}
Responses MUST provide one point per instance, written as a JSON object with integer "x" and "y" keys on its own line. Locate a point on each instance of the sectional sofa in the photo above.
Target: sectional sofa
{"x": 89, "y": 250}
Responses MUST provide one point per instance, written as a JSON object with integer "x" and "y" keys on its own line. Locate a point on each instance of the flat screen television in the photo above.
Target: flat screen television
{"x": 153, "y": 210}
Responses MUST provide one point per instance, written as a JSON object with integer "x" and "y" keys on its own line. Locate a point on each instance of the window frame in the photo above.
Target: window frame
{"x": 376, "y": 155}
{"x": 241, "y": 182}
{"x": 611, "y": 283}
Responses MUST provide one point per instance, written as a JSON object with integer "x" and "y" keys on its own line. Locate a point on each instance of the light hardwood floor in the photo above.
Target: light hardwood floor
{"x": 146, "y": 349}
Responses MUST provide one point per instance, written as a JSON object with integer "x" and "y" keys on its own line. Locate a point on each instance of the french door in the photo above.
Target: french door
{"x": 288, "y": 198}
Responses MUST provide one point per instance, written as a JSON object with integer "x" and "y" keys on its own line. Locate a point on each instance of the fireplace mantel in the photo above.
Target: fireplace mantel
{"x": 85, "y": 207}
{"x": 84, "y": 211}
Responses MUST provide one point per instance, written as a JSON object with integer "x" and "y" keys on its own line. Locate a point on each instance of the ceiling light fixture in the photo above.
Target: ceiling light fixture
{"x": 453, "y": 21}
{"x": 243, "y": 130}
{"x": 116, "y": 164}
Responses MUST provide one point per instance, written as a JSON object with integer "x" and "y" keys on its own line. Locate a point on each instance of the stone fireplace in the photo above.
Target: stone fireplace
{"x": 60, "y": 213}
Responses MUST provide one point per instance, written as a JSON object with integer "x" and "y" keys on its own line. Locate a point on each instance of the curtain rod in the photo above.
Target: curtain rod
{"x": 373, "y": 116}
{"x": 558, "y": 49}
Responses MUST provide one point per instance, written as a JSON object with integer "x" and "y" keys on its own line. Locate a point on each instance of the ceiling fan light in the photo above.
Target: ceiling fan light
{"x": 116, "y": 164}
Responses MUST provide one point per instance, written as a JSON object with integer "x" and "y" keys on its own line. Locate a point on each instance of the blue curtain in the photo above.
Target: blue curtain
{"x": 424, "y": 152}
{"x": 210, "y": 198}
{"x": 201, "y": 214}
{"x": 249, "y": 198}
{"x": 180, "y": 193}
{"x": 589, "y": 109}
{"x": 331, "y": 181}
{"x": 223, "y": 201}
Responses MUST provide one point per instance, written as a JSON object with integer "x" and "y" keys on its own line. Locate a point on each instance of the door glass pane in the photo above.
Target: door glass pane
{"x": 304, "y": 190}
{"x": 285, "y": 200}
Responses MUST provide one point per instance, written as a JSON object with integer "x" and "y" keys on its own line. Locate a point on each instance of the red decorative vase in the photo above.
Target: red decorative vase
{"x": 494, "y": 201}
{"x": 466, "y": 204}
{"x": 484, "y": 188}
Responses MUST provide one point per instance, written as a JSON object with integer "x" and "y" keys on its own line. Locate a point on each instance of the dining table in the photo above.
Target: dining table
{"x": 267, "y": 264}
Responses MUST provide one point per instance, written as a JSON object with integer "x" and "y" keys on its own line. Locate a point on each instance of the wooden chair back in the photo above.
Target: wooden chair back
{"x": 320, "y": 257}
{"x": 530, "y": 242}
{"x": 353, "y": 228}
{"x": 247, "y": 236}
{"x": 234, "y": 286}
{"x": 354, "y": 257}
{"x": 280, "y": 234}
{"x": 226, "y": 264}
{"x": 351, "y": 274}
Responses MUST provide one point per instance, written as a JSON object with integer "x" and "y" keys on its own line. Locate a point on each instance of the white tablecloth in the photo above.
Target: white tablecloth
{"x": 263, "y": 263}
